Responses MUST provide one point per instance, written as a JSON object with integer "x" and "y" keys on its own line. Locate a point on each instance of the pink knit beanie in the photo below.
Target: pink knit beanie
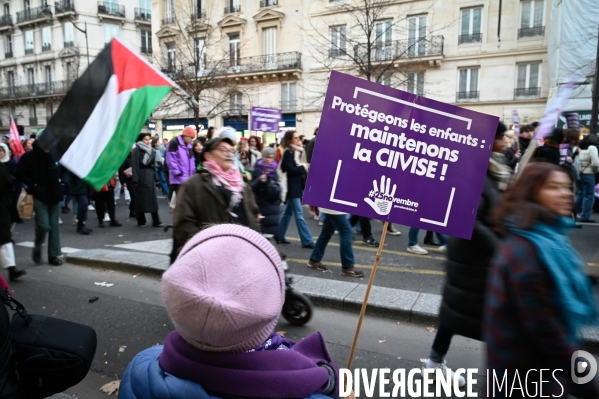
{"x": 226, "y": 289}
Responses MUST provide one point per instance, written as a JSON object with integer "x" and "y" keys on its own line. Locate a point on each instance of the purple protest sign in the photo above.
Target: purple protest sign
{"x": 265, "y": 119}
{"x": 390, "y": 155}
{"x": 516, "y": 123}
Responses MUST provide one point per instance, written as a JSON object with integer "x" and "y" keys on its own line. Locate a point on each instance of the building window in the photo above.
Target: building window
{"x": 288, "y": 96}
{"x": 170, "y": 56}
{"x": 8, "y": 46}
{"x": 417, "y": 36}
{"x": 386, "y": 80}
{"x": 69, "y": 34}
{"x": 199, "y": 9}
{"x": 468, "y": 85}
{"x": 383, "y": 48}
{"x": 49, "y": 111}
{"x": 6, "y": 9}
{"x": 46, "y": 38}
{"x": 338, "y": 41}
{"x": 232, "y": 6}
{"x": 415, "y": 83}
{"x": 48, "y": 73}
{"x": 200, "y": 46}
{"x": 32, "y": 115}
{"x": 10, "y": 77}
{"x": 110, "y": 31}
{"x": 236, "y": 103}
{"x": 71, "y": 76}
{"x": 30, "y": 77}
{"x": 29, "y": 42}
{"x": 528, "y": 82}
{"x": 531, "y": 18}
{"x": 169, "y": 10}
{"x": 470, "y": 31}
{"x": 234, "y": 50}
{"x": 146, "y": 41}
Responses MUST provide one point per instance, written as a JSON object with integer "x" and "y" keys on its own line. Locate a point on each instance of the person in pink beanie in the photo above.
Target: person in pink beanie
{"x": 225, "y": 307}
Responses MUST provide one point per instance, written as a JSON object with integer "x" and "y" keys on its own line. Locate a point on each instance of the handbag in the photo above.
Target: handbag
{"x": 49, "y": 354}
{"x": 128, "y": 172}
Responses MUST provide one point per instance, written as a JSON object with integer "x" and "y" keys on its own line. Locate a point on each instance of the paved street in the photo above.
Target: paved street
{"x": 130, "y": 314}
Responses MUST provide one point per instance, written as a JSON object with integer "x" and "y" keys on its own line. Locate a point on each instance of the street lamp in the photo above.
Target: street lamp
{"x": 47, "y": 12}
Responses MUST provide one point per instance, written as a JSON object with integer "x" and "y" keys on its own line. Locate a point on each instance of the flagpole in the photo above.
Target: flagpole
{"x": 368, "y": 288}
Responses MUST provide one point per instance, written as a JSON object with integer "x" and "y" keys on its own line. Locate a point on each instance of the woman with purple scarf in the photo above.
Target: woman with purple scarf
{"x": 267, "y": 192}
{"x": 225, "y": 306}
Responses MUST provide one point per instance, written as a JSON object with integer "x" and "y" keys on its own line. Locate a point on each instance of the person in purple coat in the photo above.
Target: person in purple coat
{"x": 179, "y": 158}
{"x": 225, "y": 306}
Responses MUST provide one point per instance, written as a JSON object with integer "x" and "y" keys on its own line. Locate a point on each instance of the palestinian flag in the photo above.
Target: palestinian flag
{"x": 101, "y": 116}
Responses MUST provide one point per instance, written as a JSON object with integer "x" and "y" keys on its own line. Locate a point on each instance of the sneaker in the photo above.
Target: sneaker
{"x": 392, "y": 232}
{"x": 443, "y": 249}
{"x": 106, "y": 218}
{"x": 75, "y": 222}
{"x": 320, "y": 223}
{"x": 417, "y": 249}
{"x": 59, "y": 221}
{"x": 370, "y": 241}
{"x": 314, "y": 264}
{"x": 357, "y": 231}
{"x": 352, "y": 272}
{"x": 309, "y": 246}
{"x": 90, "y": 207}
{"x": 315, "y": 217}
{"x": 444, "y": 370}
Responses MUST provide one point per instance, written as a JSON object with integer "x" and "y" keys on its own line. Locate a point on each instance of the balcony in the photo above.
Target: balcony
{"x": 69, "y": 44}
{"x": 467, "y": 96}
{"x": 337, "y": 53}
{"x": 198, "y": 15}
{"x": 143, "y": 15}
{"x": 398, "y": 50}
{"x": 111, "y": 10}
{"x": 168, "y": 21}
{"x": 64, "y": 6}
{"x": 28, "y": 51}
{"x": 30, "y": 15}
{"x": 34, "y": 90}
{"x": 472, "y": 38}
{"x": 8, "y": 54}
{"x": 146, "y": 49}
{"x": 290, "y": 105}
{"x": 233, "y": 8}
{"x": 268, "y": 3}
{"x": 531, "y": 32}
{"x": 33, "y": 121}
{"x": 534, "y": 92}
{"x": 5, "y": 22}
{"x": 46, "y": 47}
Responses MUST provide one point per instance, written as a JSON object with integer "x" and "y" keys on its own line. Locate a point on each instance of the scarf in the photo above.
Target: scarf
{"x": 574, "y": 290}
{"x": 269, "y": 170}
{"x": 296, "y": 373}
{"x": 274, "y": 343}
{"x": 147, "y": 154}
{"x": 6, "y": 156}
{"x": 499, "y": 171}
{"x": 230, "y": 180}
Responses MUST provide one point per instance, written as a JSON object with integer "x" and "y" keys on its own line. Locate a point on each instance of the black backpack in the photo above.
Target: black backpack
{"x": 48, "y": 355}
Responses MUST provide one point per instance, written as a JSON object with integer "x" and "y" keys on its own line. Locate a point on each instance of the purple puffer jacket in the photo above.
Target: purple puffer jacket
{"x": 180, "y": 160}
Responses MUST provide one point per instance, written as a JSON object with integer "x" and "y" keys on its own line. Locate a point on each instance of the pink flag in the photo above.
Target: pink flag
{"x": 15, "y": 139}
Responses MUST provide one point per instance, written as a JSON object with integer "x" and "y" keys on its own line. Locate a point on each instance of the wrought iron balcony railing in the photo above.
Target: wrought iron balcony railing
{"x": 290, "y": 105}
{"x": 146, "y": 50}
{"x": 472, "y": 38}
{"x": 69, "y": 44}
{"x": 34, "y": 90}
{"x": 168, "y": 21}
{"x": 268, "y": 3}
{"x": 401, "y": 49}
{"x": 111, "y": 8}
{"x": 8, "y": 54}
{"x": 531, "y": 32}
{"x": 527, "y": 92}
{"x": 233, "y": 8}
{"x": 337, "y": 52}
{"x": 143, "y": 14}
{"x": 64, "y": 6}
{"x": 467, "y": 96}
{"x": 198, "y": 15}
{"x": 28, "y": 51}
{"x": 32, "y": 120}
{"x": 46, "y": 47}
{"x": 5, "y": 20}
{"x": 30, "y": 14}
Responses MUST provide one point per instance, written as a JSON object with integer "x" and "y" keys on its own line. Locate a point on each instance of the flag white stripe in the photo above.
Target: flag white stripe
{"x": 87, "y": 147}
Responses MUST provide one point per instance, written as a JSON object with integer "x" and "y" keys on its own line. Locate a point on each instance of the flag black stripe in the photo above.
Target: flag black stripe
{"x": 77, "y": 105}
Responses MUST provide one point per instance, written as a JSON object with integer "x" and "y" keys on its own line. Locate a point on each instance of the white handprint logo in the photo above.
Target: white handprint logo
{"x": 383, "y": 199}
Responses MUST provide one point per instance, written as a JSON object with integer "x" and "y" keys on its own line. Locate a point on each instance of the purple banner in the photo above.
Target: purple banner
{"x": 265, "y": 119}
{"x": 390, "y": 155}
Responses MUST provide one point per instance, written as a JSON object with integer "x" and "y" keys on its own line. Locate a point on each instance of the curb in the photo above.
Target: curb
{"x": 402, "y": 305}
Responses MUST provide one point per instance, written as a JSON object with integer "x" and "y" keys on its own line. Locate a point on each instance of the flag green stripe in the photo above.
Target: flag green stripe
{"x": 134, "y": 116}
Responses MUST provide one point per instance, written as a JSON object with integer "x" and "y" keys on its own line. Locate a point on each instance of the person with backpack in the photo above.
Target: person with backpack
{"x": 589, "y": 166}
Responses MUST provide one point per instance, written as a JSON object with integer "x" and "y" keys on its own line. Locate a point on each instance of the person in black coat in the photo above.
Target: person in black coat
{"x": 10, "y": 163}
{"x": 7, "y": 252}
{"x": 144, "y": 161}
{"x": 81, "y": 192}
{"x": 126, "y": 179}
{"x": 549, "y": 152}
{"x": 44, "y": 179}
{"x": 267, "y": 192}
{"x": 468, "y": 264}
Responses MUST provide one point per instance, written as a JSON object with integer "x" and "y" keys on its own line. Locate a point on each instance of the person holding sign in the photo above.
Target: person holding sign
{"x": 589, "y": 165}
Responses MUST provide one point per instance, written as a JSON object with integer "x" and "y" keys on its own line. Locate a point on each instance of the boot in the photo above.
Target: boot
{"x": 429, "y": 239}
{"x": 115, "y": 223}
{"x": 83, "y": 229}
{"x": 14, "y": 273}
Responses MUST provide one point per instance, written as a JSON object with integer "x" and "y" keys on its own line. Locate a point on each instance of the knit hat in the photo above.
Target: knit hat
{"x": 189, "y": 131}
{"x": 225, "y": 291}
{"x": 228, "y": 132}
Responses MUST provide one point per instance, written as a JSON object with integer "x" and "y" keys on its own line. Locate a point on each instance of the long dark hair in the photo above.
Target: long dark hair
{"x": 519, "y": 204}
{"x": 588, "y": 141}
{"x": 287, "y": 139}
{"x": 258, "y": 142}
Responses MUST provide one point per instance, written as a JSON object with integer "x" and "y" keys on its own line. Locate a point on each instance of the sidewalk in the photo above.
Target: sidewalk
{"x": 402, "y": 305}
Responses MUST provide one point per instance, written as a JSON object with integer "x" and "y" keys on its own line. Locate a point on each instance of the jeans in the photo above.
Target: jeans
{"x": 413, "y": 237}
{"x": 441, "y": 344}
{"x": 365, "y": 226}
{"x": 82, "y": 204}
{"x": 342, "y": 225}
{"x": 162, "y": 181}
{"x": 66, "y": 200}
{"x": 46, "y": 221}
{"x": 294, "y": 205}
{"x": 585, "y": 195}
